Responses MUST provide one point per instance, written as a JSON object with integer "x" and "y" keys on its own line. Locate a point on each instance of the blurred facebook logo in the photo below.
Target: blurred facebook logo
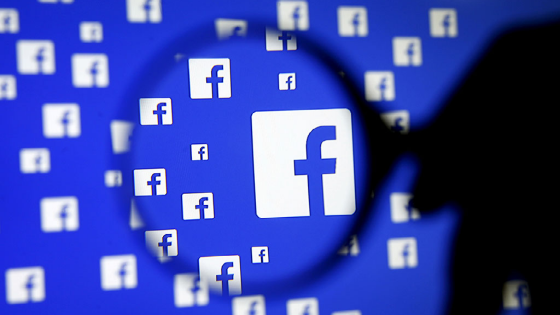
{"x": 199, "y": 152}
{"x": 57, "y": 1}
{"x": 113, "y": 178}
{"x": 292, "y": 15}
{"x": 259, "y": 254}
{"x": 355, "y": 312}
{"x": 150, "y": 182}
{"x": 61, "y": 120}
{"x": 286, "y": 81}
{"x": 397, "y": 121}
{"x": 35, "y": 57}
{"x": 189, "y": 291}
{"x": 516, "y": 295}
{"x": 226, "y": 28}
{"x": 90, "y": 70}
{"x": 143, "y": 11}
{"x": 351, "y": 247}
{"x": 352, "y": 21}
{"x": 198, "y": 206}
{"x": 280, "y": 40}
{"x": 156, "y": 111}
{"x": 402, "y": 253}
{"x": 222, "y": 273}
{"x": 162, "y": 243}
{"x": 402, "y": 208}
{"x": 303, "y": 163}
{"x": 443, "y": 23}
{"x": 248, "y": 305}
{"x": 8, "y": 90}
{"x": 118, "y": 272}
{"x": 380, "y": 86}
{"x": 25, "y": 285}
{"x": 59, "y": 214}
{"x": 305, "y": 306}
{"x": 407, "y": 51}
{"x": 209, "y": 78}
{"x": 91, "y": 32}
{"x": 121, "y": 131}
{"x": 34, "y": 160}
{"x": 9, "y": 21}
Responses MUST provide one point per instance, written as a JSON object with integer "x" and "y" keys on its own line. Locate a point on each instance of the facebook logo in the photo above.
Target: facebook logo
{"x": 209, "y": 78}
{"x": 189, "y": 291}
{"x": 91, "y": 32}
{"x": 278, "y": 40}
{"x": 351, "y": 247}
{"x": 222, "y": 273}
{"x": 59, "y": 214}
{"x": 303, "y": 163}
{"x": 121, "y": 131}
{"x": 402, "y": 253}
{"x": 61, "y": 120}
{"x": 118, "y": 272}
{"x": 8, "y": 90}
{"x": 407, "y": 51}
{"x": 397, "y": 121}
{"x": 150, "y": 182}
{"x": 516, "y": 295}
{"x": 90, "y": 70}
{"x": 402, "y": 208}
{"x": 248, "y": 305}
{"x": 307, "y": 306}
{"x": 198, "y": 206}
{"x": 226, "y": 28}
{"x": 293, "y": 15}
{"x": 162, "y": 243}
{"x": 143, "y": 11}
{"x": 355, "y": 312}
{"x": 286, "y": 81}
{"x": 34, "y": 160}
{"x": 199, "y": 152}
{"x": 380, "y": 86}
{"x": 352, "y": 21}
{"x": 57, "y": 1}
{"x": 259, "y": 254}
{"x": 35, "y": 57}
{"x": 9, "y": 21}
{"x": 113, "y": 178}
{"x": 25, "y": 285}
{"x": 443, "y": 23}
{"x": 155, "y": 111}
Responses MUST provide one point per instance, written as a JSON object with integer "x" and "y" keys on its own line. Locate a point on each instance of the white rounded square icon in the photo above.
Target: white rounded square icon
{"x": 209, "y": 78}
{"x": 308, "y": 306}
{"x": 352, "y": 21}
{"x": 25, "y": 285}
{"x": 34, "y": 160}
{"x": 197, "y": 206}
{"x": 35, "y": 57}
{"x": 189, "y": 291}
{"x": 380, "y": 85}
{"x": 402, "y": 253}
{"x": 397, "y": 121}
{"x": 162, "y": 243}
{"x": 9, "y": 21}
{"x": 59, "y": 214}
{"x": 286, "y": 81}
{"x": 252, "y": 304}
{"x": 90, "y": 70}
{"x": 121, "y": 131}
{"x": 143, "y": 11}
{"x": 156, "y": 111}
{"x": 8, "y": 88}
{"x": 259, "y": 254}
{"x": 443, "y": 23}
{"x": 516, "y": 295}
{"x": 150, "y": 182}
{"x": 118, "y": 272}
{"x": 221, "y": 273}
{"x": 199, "y": 152}
{"x": 226, "y": 28}
{"x": 113, "y": 178}
{"x": 292, "y": 15}
{"x": 91, "y": 32}
{"x": 280, "y": 40}
{"x": 61, "y": 120}
{"x": 407, "y": 51}
{"x": 402, "y": 209}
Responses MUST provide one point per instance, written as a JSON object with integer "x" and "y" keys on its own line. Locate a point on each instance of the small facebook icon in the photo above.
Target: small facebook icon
{"x": 150, "y": 182}
{"x": 156, "y": 111}
{"x": 397, "y": 121}
{"x": 59, "y": 214}
{"x": 407, "y": 51}
{"x": 307, "y": 306}
{"x": 118, "y": 272}
{"x": 8, "y": 90}
{"x": 199, "y": 152}
{"x": 91, "y": 32}
{"x": 61, "y": 120}
{"x": 278, "y": 40}
{"x": 227, "y": 28}
{"x": 443, "y": 22}
{"x": 402, "y": 253}
{"x": 355, "y": 312}
{"x": 248, "y": 305}
{"x": 293, "y": 15}
{"x": 189, "y": 291}
{"x": 9, "y": 21}
{"x": 25, "y": 285}
{"x": 209, "y": 78}
{"x": 352, "y": 21}
{"x": 113, "y": 178}
{"x": 198, "y": 205}
{"x": 380, "y": 86}
{"x": 35, "y": 57}
{"x": 34, "y": 160}
{"x": 222, "y": 273}
{"x": 286, "y": 81}
{"x": 143, "y": 11}
{"x": 90, "y": 70}
{"x": 259, "y": 254}
{"x": 162, "y": 243}
{"x": 516, "y": 295}
{"x": 351, "y": 247}
{"x": 402, "y": 208}
{"x": 121, "y": 131}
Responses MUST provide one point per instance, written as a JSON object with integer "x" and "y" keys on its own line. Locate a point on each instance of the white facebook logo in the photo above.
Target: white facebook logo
{"x": 143, "y": 11}
{"x": 121, "y": 131}
{"x": 402, "y": 209}
{"x": 278, "y": 40}
{"x": 516, "y": 295}
{"x": 162, "y": 243}
{"x": 118, "y": 272}
{"x": 443, "y": 23}
{"x": 397, "y": 121}
{"x": 222, "y": 273}
{"x": 303, "y": 163}
{"x": 407, "y": 51}
{"x": 226, "y": 28}
{"x": 356, "y": 312}
{"x": 199, "y": 152}
{"x": 59, "y": 214}
{"x": 150, "y": 182}
{"x": 113, "y": 178}
{"x": 9, "y": 21}
{"x": 259, "y": 254}
{"x": 189, "y": 291}
{"x": 209, "y": 78}
{"x": 380, "y": 85}
{"x": 35, "y": 57}
{"x": 90, "y": 70}
{"x": 286, "y": 81}
{"x": 25, "y": 285}
{"x": 198, "y": 205}
{"x": 91, "y": 32}
{"x": 351, "y": 248}
{"x": 61, "y": 120}
{"x": 8, "y": 90}
{"x": 34, "y": 160}
{"x": 293, "y": 15}
{"x": 252, "y": 305}
{"x": 156, "y": 111}
{"x": 402, "y": 253}
{"x": 309, "y": 306}
{"x": 352, "y": 21}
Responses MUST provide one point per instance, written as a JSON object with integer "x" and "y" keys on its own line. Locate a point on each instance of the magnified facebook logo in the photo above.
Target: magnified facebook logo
{"x": 8, "y": 90}
{"x": 402, "y": 253}
{"x": 210, "y": 78}
{"x": 397, "y": 121}
{"x": 143, "y": 11}
{"x": 226, "y": 28}
{"x": 307, "y": 306}
{"x": 516, "y": 295}
{"x": 248, "y": 305}
{"x": 293, "y": 15}
{"x": 286, "y": 81}
{"x": 9, "y": 21}
{"x": 25, "y": 285}
{"x": 380, "y": 86}
{"x": 189, "y": 291}
{"x": 150, "y": 182}
{"x": 222, "y": 273}
{"x": 61, "y": 120}
{"x": 90, "y": 70}
{"x": 35, "y": 57}
{"x": 59, "y": 214}
{"x": 34, "y": 160}
{"x": 162, "y": 243}
{"x": 259, "y": 254}
{"x": 156, "y": 111}
{"x": 199, "y": 152}
{"x": 91, "y": 32}
{"x": 198, "y": 206}
{"x": 443, "y": 22}
{"x": 407, "y": 51}
{"x": 121, "y": 131}
{"x": 352, "y": 21}
{"x": 278, "y": 40}
{"x": 118, "y": 272}
{"x": 402, "y": 208}
{"x": 303, "y": 163}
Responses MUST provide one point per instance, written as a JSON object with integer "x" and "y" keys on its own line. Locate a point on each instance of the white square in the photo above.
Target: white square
{"x": 352, "y": 21}
{"x": 8, "y": 89}
{"x": 402, "y": 253}
{"x": 407, "y": 51}
{"x": 209, "y": 78}
{"x": 397, "y": 121}
{"x": 355, "y": 312}
{"x": 91, "y": 32}
{"x": 293, "y": 15}
{"x": 113, "y": 178}
{"x": 143, "y": 11}
{"x": 226, "y": 28}
{"x": 35, "y": 57}
{"x": 150, "y": 182}
{"x": 90, "y": 70}
{"x": 162, "y": 243}
{"x": 197, "y": 204}
{"x": 286, "y": 81}
{"x": 259, "y": 254}
{"x": 516, "y": 295}
{"x": 443, "y": 23}
{"x": 221, "y": 272}
{"x": 402, "y": 209}
{"x": 189, "y": 291}
{"x": 252, "y": 304}
{"x": 59, "y": 214}
{"x": 280, "y": 142}
{"x": 278, "y": 40}
{"x": 121, "y": 131}
{"x": 34, "y": 160}
{"x": 351, "y": 248}
{"x": 309, "y": 306}
{"x": 156, "y": 111}
{"x": 380, "y": 85}
{"x": 199, "y": 152}
{"x": 61, "y": 120}
{"x": 118, "y": 272}
{"x": 25, "y": 285}
{"x": 9, "y": 21}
